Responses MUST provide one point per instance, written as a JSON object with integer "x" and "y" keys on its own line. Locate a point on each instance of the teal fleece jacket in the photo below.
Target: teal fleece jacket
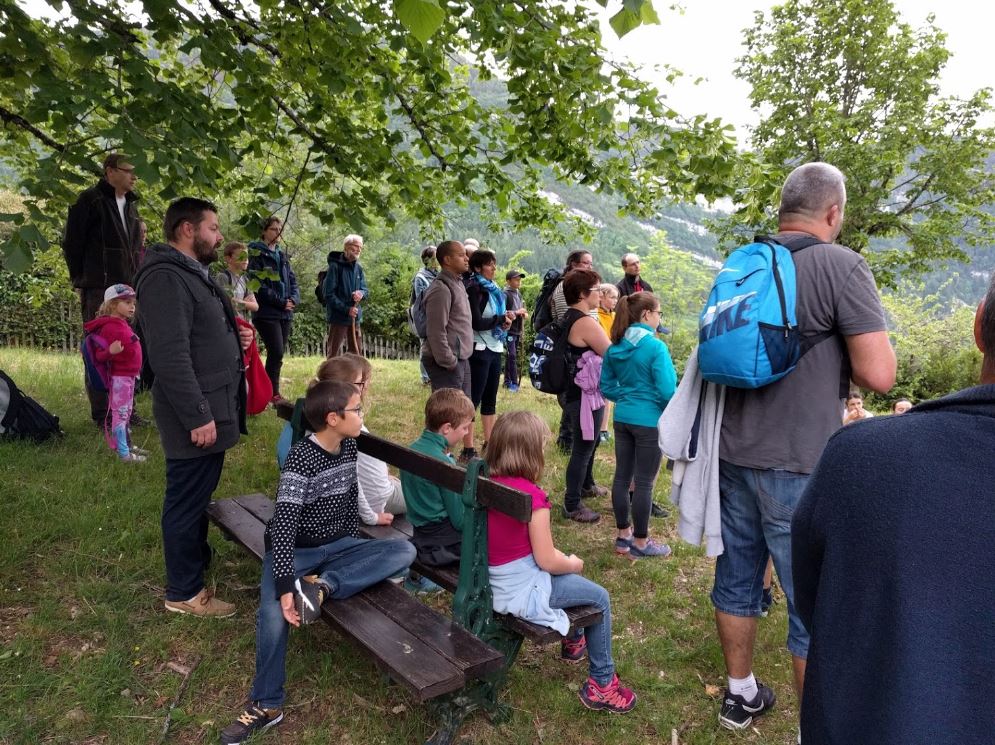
{"x": 639, "y": 376}
{"x": 428, "y": 502}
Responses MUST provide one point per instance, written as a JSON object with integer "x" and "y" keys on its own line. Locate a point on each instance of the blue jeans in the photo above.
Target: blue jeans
{"x": 570, "y": 590}
{"x": 757, "y": 506}
{"x": 347, "y": 566}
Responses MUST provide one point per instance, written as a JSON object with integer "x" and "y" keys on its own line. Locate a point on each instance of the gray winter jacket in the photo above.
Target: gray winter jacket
{"x": 193, "y": 347}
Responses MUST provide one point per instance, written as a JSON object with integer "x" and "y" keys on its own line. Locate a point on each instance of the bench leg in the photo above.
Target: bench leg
{"x": 485, "y": 694}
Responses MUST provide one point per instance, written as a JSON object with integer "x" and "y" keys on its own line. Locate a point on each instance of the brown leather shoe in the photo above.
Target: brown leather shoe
{"x": 595, "y": 491}
{"x": 202, "y": 604}
{"x": 583, "y": 514}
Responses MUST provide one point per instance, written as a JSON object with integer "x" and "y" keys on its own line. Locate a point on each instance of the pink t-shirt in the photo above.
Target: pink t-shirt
{"x": 508, "y": 539}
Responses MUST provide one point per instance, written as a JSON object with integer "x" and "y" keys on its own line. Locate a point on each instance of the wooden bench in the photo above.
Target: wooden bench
{"x": 456, "y": 678}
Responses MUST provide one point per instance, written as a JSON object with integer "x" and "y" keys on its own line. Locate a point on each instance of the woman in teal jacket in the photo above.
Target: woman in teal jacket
{"x": 639, "y": 376}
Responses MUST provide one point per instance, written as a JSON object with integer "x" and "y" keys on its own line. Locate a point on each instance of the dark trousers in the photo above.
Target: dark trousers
{"x": 580, "y": 467}
{"x": 511, "y": 376}
{"x": 190, "y": 482}
{"x": 339, "y": 336}
{"x": 564, "y": 438}
{"x": 90, "y": 299}
{"x": 274, "y": 333}
{"x": 637, "y": 460}
{"x": 485, "y": 379}
{"x": 440, "y": 377}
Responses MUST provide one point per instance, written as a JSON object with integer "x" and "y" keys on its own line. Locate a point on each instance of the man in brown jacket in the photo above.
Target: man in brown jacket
{"x": 449, "y": 344}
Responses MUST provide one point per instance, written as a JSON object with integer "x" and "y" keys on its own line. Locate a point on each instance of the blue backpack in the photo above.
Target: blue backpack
{"x": 748, "y": 333}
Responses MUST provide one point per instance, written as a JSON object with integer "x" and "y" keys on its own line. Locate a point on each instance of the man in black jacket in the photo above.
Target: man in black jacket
{"x": 631, "y": 282}
{"x": 102, "y": 243}
{"x": 198, "y": 398}
{"x": 893, "y": 572}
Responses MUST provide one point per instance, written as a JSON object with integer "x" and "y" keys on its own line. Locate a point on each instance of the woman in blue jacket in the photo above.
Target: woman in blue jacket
{"x": 277, "y": 296}
{"x": 639, "y": 376}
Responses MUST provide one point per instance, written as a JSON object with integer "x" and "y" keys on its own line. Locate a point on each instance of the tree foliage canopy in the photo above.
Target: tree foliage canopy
{"x": 847, "y": 82}
{"x": 362, "y": 107}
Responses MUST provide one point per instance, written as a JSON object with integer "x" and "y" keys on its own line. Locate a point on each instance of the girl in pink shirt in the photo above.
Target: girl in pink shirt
{"x": 532, "y": 579}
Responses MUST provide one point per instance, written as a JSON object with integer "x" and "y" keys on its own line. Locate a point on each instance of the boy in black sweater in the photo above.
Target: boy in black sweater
{"x": 313, "y": 548}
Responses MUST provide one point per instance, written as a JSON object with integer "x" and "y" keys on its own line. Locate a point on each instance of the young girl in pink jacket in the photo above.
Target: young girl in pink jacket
{"x": 123, "y": 354}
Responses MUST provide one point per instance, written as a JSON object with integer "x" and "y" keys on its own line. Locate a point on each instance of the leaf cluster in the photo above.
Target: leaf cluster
{"x": 849, "y": 83}
{"x": 361, "y": 109}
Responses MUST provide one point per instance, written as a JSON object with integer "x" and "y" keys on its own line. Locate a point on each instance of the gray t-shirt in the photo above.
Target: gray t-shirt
{"x": 787, "y": 424}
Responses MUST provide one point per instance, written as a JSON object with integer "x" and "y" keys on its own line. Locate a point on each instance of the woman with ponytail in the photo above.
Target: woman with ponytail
{"x": 639, "y": 376}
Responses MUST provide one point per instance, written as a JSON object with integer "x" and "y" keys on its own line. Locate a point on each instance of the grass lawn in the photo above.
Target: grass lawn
{"x": 88, "y": 654}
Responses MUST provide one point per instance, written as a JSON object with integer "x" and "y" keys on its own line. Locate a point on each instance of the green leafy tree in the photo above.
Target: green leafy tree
{"x": 934, "y": 344}
{"x": 363, "y": 108}
{"x": 848, "y": 83}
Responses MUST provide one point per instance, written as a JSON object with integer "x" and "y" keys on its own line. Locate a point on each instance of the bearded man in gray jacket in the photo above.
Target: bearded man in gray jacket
{"x": 198, "y": 398}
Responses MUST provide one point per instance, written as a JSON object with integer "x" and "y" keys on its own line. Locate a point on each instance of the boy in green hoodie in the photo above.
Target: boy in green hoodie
{"x": 436, "y": 513}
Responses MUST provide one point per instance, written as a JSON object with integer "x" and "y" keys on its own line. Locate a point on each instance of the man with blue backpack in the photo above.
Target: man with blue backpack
{"x": 804, "y": 315}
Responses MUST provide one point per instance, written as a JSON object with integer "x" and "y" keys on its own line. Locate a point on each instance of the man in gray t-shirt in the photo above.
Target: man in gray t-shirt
{"x": 772, "y": 437}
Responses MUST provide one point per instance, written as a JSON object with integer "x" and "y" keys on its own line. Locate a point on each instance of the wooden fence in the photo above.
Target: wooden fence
{"x": 374, "y": 346}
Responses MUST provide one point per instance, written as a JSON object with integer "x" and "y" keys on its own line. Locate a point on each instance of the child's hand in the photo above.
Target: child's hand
{"x": 578, "y": 563}
{"x": 289, "y": 612}
{"x": 385, "y": 518}
{"x": 116, "y": 347}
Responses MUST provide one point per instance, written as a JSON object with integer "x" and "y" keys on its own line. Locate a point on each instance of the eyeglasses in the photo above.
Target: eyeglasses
{"x": 358, "y": 410}
{"x": 595, "y": 289}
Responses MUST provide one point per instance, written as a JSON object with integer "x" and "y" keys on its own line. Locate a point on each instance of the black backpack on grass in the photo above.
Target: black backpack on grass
{"x": 23, "y": 417}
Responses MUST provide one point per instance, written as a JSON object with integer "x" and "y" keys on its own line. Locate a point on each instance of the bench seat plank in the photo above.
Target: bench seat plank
{"x": 409, "y": 661}
{"x": 448, "y": 577}
{"x": 464, "y": 650}
{"x": 425, "y": 652}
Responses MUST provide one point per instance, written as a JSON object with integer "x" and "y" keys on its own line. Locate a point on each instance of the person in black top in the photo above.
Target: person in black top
{"x": 582, "y": 291}
{"x": 102, "y": 245}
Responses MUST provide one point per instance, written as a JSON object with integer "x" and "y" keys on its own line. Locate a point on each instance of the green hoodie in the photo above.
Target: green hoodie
{"x": 639, "y": 376}
{"x": 428, "y": 502}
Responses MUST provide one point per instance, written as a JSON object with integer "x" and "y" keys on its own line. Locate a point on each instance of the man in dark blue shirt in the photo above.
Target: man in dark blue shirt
{"x": 894, "y": 570}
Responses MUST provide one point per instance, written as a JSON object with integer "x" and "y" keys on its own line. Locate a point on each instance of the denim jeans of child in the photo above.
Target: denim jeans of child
{"x": 348, "y": 565}
{"x": 570, "y": 590}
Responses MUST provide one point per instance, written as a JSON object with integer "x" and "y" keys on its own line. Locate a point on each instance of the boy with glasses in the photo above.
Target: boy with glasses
{"x": 313, "y": 549}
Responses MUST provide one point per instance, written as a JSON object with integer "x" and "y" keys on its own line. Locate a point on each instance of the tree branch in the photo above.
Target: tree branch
{"x": 9, "y": 117}
{"x": 416, "y": 123}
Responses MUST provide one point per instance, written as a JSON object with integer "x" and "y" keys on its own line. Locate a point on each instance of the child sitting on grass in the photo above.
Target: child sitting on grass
{"x": 313, "y": 549}
{"x": 436, "y": 513}
{"x": 123, "y": 355}
{"x": 533, "y": 580}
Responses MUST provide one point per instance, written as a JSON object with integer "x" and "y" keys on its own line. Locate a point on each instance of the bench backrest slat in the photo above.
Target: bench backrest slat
{"x": 511, "y": 502}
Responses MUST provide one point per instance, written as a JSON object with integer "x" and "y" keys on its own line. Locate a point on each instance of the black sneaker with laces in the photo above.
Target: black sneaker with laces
{"x": 253, "y": 719}
{"x": 737, "y": 713}
{"x": 308, "y": 599}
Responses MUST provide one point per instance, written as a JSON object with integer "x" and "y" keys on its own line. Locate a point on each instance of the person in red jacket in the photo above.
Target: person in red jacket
{"x": 123, "y": 355}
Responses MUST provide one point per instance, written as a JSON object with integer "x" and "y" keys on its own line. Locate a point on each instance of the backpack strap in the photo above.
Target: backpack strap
{"x": 793, "y": 244}
{"x": 298, "y": 424}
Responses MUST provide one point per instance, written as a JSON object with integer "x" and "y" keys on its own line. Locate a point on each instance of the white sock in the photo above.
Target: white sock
{"x": 745, "y": 687}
